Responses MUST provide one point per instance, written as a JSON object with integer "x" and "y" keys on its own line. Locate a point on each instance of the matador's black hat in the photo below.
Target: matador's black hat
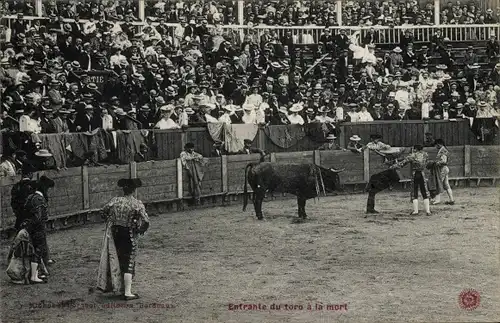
{"x": 130, "y": 182}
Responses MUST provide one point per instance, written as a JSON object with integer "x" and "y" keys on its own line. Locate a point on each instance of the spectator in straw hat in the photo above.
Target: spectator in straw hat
{"x": 44, "y": 160}
{"x": 331, "y": 144}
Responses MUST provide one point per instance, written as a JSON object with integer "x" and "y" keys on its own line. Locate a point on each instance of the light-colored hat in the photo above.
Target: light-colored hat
{"x": 397, "y": 50}
{"x": 43, "y": 153}
{"x": 296, "y": 108}
{"x": 189, "y": 111}
{"x": 355, "y": 138}
{"x": 331, "y": 137}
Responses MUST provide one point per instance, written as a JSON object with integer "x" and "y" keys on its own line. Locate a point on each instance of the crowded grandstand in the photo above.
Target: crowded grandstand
{"x": 71, "y": 67}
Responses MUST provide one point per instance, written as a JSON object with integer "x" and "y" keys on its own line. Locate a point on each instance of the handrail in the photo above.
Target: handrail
{"x": 308, "y": 27}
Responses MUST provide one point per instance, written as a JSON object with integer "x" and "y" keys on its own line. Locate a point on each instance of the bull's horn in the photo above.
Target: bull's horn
{"x": 337, "y": 170}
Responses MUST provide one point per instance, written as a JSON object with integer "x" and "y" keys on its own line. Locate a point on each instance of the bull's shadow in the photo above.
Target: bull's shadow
{"x": 305, "y": 181}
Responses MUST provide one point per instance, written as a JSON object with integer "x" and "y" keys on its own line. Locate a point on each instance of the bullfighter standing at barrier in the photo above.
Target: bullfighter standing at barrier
{"x": 418, "y": 160}
{"x": 126, "y": 219}
{"x": 440, "y": 166}
{"x": 35, "y": 217}
{"x": 380, "y": 181}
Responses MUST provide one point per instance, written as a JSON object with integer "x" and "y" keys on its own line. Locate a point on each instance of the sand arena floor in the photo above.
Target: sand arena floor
{"x": 197, "y": 266}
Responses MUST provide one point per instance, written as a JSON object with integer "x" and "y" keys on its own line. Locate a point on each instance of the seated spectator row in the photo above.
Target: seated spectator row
{"x": 273, "y": 13}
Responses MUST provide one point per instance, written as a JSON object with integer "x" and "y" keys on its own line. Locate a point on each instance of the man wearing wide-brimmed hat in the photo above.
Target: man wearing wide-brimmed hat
{"x": 355, "y": 145}
{"x": 56, "y": 98}
{"x": 34, "y": 220}
{"x": 331, "y": 144}
{"x": 126, "y": 220}
{"x": 43, "y": 160}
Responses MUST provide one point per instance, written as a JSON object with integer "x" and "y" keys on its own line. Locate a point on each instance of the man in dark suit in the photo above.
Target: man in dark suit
{"x": 341, "y": 66}
{"x": 248, "y": 149}
{"x": 76, "y": 28}
{"x": 86, "y": 122}
{"x": 341, "y": 40}
{"x": 85, "y": 58}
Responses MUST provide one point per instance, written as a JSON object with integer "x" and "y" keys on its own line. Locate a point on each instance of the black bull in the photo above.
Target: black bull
{"x": 302, "y": 180}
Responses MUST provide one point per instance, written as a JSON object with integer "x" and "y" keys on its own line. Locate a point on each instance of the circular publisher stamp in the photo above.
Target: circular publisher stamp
{"x": 469, "y": 299}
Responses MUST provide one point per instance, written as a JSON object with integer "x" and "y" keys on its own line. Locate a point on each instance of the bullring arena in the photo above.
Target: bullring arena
{"x": 220, "y": 264}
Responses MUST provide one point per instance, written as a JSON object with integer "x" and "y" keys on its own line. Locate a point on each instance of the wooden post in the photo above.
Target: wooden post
{"x": 225, "y": 184}
{"x": 437, "y": 12}
{"x": 85, "y": 187}
{"x": 141, "y": 7}
{"x": 133, "y": 173}
{"x": 317, "y": 157}
{"x": 262, "y": 139}
{"x": 241, "y": 13}
{"x": 467, "y": 164}
{"x": 366, "y": 165}
{"x": 342, "y": 142}
{"x": 273, "y": 157}
{"x": 38, "y": 8}
{"x": 183, "y": 138}
{"x": 180, "y": 189}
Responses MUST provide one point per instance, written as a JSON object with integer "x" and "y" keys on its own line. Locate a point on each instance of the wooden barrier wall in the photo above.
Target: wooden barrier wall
{"x": 82, "y": 190}
{"x": 168, "y": 144}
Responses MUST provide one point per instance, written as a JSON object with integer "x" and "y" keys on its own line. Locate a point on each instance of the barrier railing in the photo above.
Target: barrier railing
{"x": 311, "y": 34}
{"x": 168, "y": 144}
{"x": 79, "y": 192}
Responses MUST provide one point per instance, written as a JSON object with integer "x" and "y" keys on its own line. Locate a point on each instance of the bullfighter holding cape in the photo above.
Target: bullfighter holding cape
{"x": 31, "y": 240}
{"x": 385, "y": 179}
{"x": 126, "y": 220}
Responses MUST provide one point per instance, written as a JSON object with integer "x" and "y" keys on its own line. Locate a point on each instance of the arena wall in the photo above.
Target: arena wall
{"x": 80, "y": 192}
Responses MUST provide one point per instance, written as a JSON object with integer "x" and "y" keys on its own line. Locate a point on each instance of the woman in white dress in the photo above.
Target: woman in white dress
{"x": 166, "y": 122}
{"x": 294, "y": 116}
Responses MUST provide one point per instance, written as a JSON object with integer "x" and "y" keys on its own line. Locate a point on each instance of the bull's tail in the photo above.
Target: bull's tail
{"x": 245, "y": 191}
